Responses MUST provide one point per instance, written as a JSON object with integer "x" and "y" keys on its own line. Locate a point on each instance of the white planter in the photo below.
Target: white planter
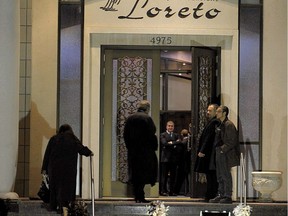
{"x": 266, "y": 182}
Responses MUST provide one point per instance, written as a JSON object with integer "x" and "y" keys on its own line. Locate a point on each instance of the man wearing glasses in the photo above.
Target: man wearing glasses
{"x": 227, "y": 155}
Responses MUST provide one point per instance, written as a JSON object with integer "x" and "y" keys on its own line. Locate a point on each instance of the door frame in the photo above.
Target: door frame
{"x": 94, "y": 39}
{"x": 215, "y": 98}
{"x": 155, "y": 115}
{"x": 115, "y": 187}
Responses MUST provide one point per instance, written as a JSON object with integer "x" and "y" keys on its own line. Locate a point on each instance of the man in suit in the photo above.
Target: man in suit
{"x": 170, "y": 148}
{"x": 205, "y": 161}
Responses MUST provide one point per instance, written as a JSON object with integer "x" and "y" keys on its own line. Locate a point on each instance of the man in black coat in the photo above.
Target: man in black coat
{"x": 205, "y": 162}
{"x": 60, "y": 163}
{"x": 141, "y": 143}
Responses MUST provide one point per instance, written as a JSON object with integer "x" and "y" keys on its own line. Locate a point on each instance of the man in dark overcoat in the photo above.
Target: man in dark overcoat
{"x": 141, "y": 143}
{"x": 205, "y": 161}
{"x": 60, "y": 163}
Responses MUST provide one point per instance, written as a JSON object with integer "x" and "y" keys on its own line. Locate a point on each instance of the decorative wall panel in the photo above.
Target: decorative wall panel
{"x": 131, "y": 84}
{"x": 205, "y": 88}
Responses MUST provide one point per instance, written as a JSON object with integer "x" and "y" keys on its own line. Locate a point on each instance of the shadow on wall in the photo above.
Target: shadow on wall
{"x": 22, "y": 174}
{"x": 40, "y": 135}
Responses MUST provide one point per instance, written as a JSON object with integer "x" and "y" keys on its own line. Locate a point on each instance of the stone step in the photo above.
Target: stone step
{"x": 130, "y": 208}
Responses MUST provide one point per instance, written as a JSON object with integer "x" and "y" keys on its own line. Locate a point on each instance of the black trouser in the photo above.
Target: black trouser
{"x": 212, "y": 184}
{"x": 181, "y": 174}
{"x": 166, "y": 169}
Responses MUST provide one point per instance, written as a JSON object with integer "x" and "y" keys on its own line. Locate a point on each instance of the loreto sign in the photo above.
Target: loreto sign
{"x": 191, "y": 14}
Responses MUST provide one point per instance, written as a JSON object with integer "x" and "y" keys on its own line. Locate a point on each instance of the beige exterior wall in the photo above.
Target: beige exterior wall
{"x": 274, "y": 138}
{"x": 43, "y": 85}
{"x": 128, "y": 32}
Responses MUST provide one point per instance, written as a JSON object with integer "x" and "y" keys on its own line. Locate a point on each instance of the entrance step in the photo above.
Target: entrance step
{"x": 130, "y": 208}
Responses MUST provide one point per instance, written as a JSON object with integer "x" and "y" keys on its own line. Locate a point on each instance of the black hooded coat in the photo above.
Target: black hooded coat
{"x": 60, "y": 161}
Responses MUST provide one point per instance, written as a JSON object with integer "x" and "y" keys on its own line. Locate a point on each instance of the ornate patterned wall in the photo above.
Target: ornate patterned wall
{"x": 131, "y": 84}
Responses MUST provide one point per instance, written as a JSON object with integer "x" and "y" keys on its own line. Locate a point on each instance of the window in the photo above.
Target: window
{"x": 70, "y": 67}
{"x": 250, "y": 74}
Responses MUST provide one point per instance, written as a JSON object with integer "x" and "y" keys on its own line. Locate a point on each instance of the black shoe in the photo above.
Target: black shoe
{"x": 173, "y": 194}
{"x": 59, "y": 211}
{"x": 142, "y": 201}
{"x": 216, "y": 199}
{"x": 163, "y": 194}
{"x": 227, "y": 200}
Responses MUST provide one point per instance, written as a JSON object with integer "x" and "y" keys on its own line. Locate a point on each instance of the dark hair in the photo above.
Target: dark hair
{"x": 214, "y": 105}
{"x": 65, "y": 128}
{"x": 225, "y": 109}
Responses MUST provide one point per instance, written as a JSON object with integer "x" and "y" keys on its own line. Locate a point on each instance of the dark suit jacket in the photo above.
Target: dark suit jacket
{"x": 170, "y": 152}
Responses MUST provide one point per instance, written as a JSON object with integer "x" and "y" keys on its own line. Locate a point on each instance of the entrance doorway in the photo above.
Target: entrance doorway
{"x": 180, "y": 82}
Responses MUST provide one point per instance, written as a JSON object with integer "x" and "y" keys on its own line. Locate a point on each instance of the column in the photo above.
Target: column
{"x": 9, "y": 94}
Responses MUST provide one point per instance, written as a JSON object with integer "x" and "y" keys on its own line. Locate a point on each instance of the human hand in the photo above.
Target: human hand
{"x": 200, "y": 154}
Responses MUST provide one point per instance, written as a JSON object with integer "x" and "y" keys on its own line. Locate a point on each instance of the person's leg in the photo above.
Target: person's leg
{"x": 214, "y": 182}
{"x": 53, "y": 196}
{"x": 65, "y": 211}
{"x": 227, "y": 179}
{"x": 208, "y": 194}
{"x": 164, "y": 178}
{"x": 173, "y": 171}
{"x": 180, "y": 177}
{"x": 212, "y": 185}
{"x": 65, "y": 205}
{"x": 220, "y": 161}
{"x": 139, "y": 193}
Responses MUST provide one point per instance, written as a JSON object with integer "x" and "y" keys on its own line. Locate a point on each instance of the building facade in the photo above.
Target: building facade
{"x": 144, "y": 25}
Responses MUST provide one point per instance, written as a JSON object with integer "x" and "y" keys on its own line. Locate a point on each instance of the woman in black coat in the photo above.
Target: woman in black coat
{"x": 60, "y": 163}
{"x": 141, "y": 143}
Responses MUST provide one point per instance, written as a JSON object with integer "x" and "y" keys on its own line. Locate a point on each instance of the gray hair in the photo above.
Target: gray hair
{"x": 144, "y": 105}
